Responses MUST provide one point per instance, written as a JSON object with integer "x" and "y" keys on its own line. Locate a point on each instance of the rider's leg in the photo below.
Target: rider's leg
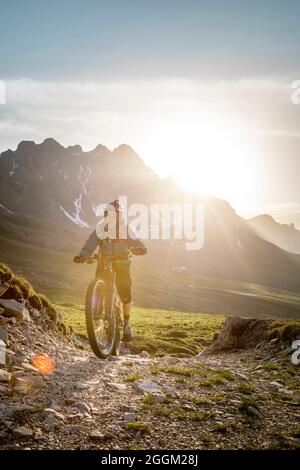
{"x": 126, "y": 312}
{"x": 123, "y": 285}
{"x": 127, "y": 332}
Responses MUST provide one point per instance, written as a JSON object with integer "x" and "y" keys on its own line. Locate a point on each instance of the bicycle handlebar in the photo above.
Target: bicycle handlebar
{"x": 108, "y": 258}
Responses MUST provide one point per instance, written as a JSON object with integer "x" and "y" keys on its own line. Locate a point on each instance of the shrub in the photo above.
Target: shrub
{"x": 25, "y": 287}
{"x": 52, "y": 314}
{"x": 148, "y": 399}
{"x": 13, "y": 292}
{"x": 4, "y": 268}
{"x": 35, "y": 302}
{"x": 178, "y": 371}
{"x": 290, "y": 331}
{"x": 45, "y": 302}
{"x": 246, "y": 389}
{"x": 246, "y": 403}
{"x": 225, "y": 374}
{"x": 50, "y": 309}
{"x": 63, "y": 328}
{"x": 139, "y": 426}
{"x": 6, "y": 274}
{"x": 132, "y": 378}
{"x": 284, "y": 331}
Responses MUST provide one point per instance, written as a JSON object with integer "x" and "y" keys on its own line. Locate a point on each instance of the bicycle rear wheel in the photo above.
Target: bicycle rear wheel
{"x": 100, "y": 321}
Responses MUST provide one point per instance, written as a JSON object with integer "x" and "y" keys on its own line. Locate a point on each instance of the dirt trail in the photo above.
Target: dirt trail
{"x": 226, "y": 401}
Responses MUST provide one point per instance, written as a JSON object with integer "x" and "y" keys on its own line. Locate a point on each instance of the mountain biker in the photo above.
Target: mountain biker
{"x": 115, "y": 246}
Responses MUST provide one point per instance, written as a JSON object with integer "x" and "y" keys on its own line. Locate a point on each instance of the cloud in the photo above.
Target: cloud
{"x": 169, "y": 120}
{"x": 138, "y": 111}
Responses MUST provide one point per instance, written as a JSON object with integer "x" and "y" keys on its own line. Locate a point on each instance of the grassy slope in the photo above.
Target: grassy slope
{"x": 160, "y": 327}
{"x": 54, "y": 274}
{"x": 159, "y": 331}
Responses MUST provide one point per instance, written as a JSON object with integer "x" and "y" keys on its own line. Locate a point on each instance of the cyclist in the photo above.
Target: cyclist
{"x": 116, "y": 246}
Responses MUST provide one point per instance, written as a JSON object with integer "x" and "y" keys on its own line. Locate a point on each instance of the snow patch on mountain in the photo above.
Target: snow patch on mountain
{"x": 75, "y": 217}
{"x": 64, "y": 173}
{"x": 84, "y": 175}
{"x": 248, "y": 294}
{"x": 239, "y": 244}
{"x": 5, "y": 208}
{"x": 14, "y": 167}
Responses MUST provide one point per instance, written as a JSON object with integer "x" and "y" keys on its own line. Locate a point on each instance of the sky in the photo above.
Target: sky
{"x": 200, "y": 89}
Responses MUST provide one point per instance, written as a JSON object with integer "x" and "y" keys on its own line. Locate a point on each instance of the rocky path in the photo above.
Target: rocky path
{"x": 226, "y": 401}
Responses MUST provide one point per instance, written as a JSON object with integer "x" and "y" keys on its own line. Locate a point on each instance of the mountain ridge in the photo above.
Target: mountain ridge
{"x": 286, "y": 236}
{"x": 48, "y": 190}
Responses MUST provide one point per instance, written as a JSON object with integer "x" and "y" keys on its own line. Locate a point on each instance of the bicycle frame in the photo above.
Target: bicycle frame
{"x": 107, "y": 274}
{"x": 110, "y": 316}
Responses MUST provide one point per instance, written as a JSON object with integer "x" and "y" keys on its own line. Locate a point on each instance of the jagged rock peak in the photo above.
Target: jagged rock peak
{"x": 75, "y": 148}
{"x": 52, "y": 144}
{"x": 124, "y": 149}
{"x": 264, "y": 217}
{"x": 26, "y": 145}
{"x": 100, "y": 150}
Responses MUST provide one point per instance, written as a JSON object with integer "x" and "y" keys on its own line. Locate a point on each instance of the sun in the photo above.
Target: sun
{"x": 208, "y": 153}
{"x": 217, "y": 166}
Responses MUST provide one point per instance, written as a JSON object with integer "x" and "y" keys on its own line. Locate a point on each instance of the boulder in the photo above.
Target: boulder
{"x": 97, "y": 436}
{"x": 252, "y": 411}
{"x": 56, "y": 414}
{"x": 23, "y": 431}
{"x": 82, "y": 407}
{"x": 145, "y": 387}
{"x": 116, "y": 386}
{"x": 239, "y": 333}
{"x": 171, "y": 392}
{"x": 81, "y": 386}
{"x": 3, "y": 353}
{"x": 26, "y": 383}
{"x": 15, "y": 309}
{"x": 5, "y": 376}
{"x": 3, "y": 335}
{"x": 158, "y": 397}
{"x": 52, "y": 422}
{"x": 35, "y": 313}
{"x": 129, "y": 417}
{"x": 144, "y": 355}
{"x": 29, "y": 367}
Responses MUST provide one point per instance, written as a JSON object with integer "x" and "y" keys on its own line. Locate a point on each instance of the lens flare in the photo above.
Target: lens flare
{"x": 44, "y": 363}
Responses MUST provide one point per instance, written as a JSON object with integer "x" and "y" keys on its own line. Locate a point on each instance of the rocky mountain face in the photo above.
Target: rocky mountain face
{"x": 50, "y": 195}
{"x": 66, "y": 185}
{"x": 286, "y": 236}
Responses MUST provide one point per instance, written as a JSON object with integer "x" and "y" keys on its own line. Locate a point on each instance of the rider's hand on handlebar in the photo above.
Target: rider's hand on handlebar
{"x": 138, "y": 251}
{"x": 79, "y": 259}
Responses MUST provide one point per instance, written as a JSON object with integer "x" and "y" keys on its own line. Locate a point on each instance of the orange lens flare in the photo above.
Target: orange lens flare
{"x": 44, "y": 364}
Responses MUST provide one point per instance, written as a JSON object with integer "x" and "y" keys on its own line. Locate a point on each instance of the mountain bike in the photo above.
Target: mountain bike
{"x": 103, "y": 309}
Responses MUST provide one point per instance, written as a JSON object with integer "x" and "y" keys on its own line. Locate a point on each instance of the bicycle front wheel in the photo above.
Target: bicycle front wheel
{"x": 118, "y": 313}
{"x": 100, "y": 323}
